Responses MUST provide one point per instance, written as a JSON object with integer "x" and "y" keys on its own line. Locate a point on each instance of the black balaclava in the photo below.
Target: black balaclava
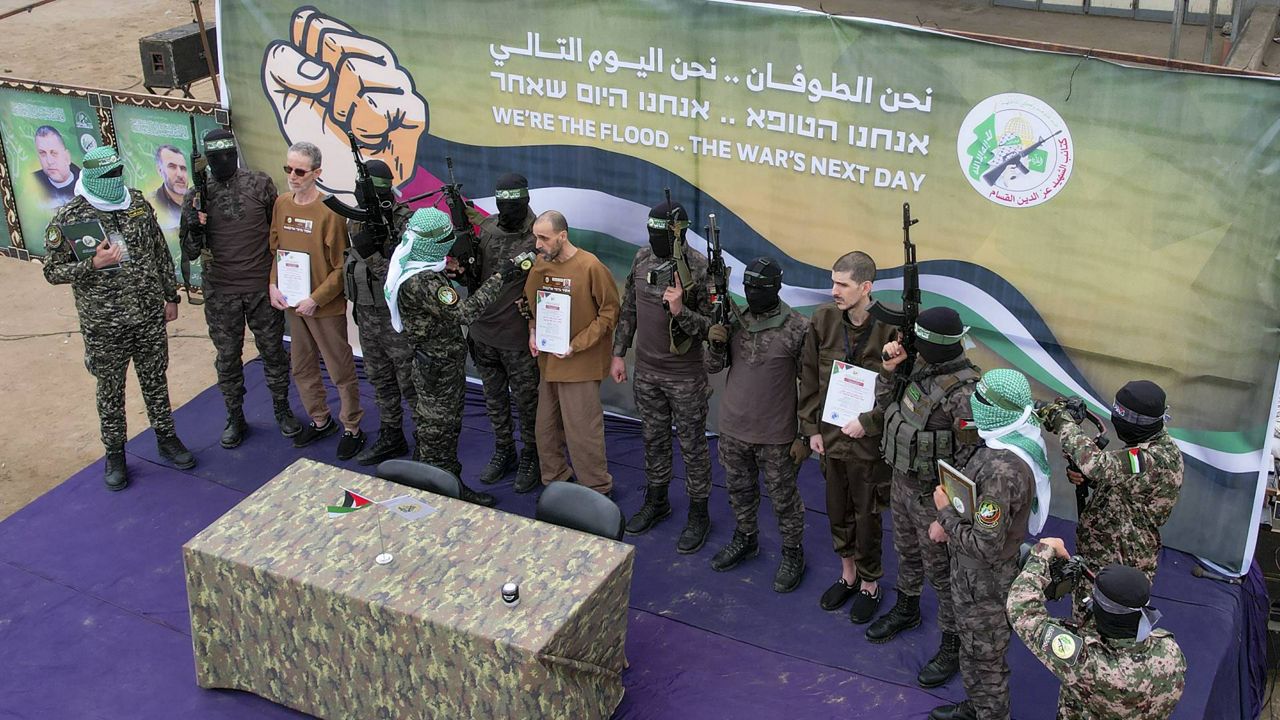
{"x": 939, "y": 334}
{"x": 512, "y": 197}
{"x": 1139, "y": 411}
{"x": 383, "y": 183}
{"x": 1119, "y": 603}
{"x": 761, "y": 284}
{"x": 220, "y": 149}
{"x": 659, "y": 237}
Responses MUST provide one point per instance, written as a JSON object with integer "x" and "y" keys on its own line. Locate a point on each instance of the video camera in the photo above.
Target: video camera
{"x": 1064, "y": 575}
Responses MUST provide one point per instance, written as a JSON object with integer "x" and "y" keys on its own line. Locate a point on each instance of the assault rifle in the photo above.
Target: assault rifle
{"x": 466, "y": 247}
{"x": 198, "y": 167}
{"x": 664, "y": 274}
{"x": 720, "y": 311}
{"x": 990, "y": 176}
{"x": 370, "y": 209}
{"x": 1081, "y": 414}
{"x": 905, "y": 318}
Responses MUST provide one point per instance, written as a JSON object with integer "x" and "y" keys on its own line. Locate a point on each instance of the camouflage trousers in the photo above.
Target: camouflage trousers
{"x": 388, "y": 362}
{"x": 743, "y": 462}
{"x": 227, "y": 315}
{"x": 919, "y": 557}
{"x": 981, "y": 589}
{"x": 107, "y": 353}
{"x": 507, "y": 373}
{"x": 661, "y": 403}
{"x": 441, "y": 386}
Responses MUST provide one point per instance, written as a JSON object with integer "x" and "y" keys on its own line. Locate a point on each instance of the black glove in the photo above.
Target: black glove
{"x": 365, "y": 243}
{"x": 191, "y": 219}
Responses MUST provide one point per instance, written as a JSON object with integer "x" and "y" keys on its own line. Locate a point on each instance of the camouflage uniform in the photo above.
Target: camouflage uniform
{"x": 1106, "y": 679}
{"x": 227, "y": 313}
{"x": 1134, "y": 490}
{"x": 763, "y": 354}
{"x": 667, "y": 395}
{"x": 500, "y": 340}
{"x": 387, "y": 354}
{"x": 433, "y": 319}
{"x": 984, "y": 561}
{"x": 121, "y": 311}
{"x": 911, "y": 491}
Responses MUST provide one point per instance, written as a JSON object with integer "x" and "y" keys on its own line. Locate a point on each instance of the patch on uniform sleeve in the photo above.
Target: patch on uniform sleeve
{"x": 1137, "y": 461}
{"x": 989, "y": 514}
{"x": 137, "y": 211}
{"x": 1061, "y": 644}
{"x": 53, "y": 236}
{"x": 447, "y": 295}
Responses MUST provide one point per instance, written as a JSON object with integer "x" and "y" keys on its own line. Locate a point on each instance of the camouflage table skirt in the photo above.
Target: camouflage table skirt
{"x": 288, "y": 604}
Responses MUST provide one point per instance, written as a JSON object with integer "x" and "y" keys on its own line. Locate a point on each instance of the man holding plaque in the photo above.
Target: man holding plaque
{"x": 571, "y": 295}
{"x": 107, "y": 244}
{"x": 1007, "y": 469}
{"x": 758, "y": 419}
{"x": 308, "y": 241}
{"x": 839, "y": 421}
{"x": 923, "y": 423}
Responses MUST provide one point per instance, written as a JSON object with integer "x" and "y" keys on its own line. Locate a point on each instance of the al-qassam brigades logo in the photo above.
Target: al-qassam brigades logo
{"x": 1015, "y": 150}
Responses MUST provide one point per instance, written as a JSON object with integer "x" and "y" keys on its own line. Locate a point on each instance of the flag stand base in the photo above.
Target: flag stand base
{"x": 383, "y": 559}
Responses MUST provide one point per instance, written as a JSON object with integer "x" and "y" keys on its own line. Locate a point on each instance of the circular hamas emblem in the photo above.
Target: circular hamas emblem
{"x": 1015, "y": 150}
{"x": 1063, "y": 645}
{"x": 447, "y": 295}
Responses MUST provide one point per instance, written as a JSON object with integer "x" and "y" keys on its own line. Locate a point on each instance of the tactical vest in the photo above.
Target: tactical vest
{"x": 360, "y": 284}
{"x": 906, "y": 445}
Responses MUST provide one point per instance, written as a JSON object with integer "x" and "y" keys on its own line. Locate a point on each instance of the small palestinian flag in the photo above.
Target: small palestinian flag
{"x": 1137, "y": 463}
{"x": 350, "y": 503}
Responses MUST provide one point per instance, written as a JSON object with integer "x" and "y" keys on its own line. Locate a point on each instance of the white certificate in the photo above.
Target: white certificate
{"x": 851, "y": 392}
{"x": 293, "y": 276}
{"x": 552, "y": 327}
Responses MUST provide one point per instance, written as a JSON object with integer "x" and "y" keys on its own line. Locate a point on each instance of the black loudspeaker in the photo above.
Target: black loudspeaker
{"x": 175, "y": 58}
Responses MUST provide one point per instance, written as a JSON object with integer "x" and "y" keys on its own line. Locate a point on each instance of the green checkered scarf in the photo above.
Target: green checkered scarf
{"x": 427, "y": 239}
{"x": 1006, "y": 422}
{"x": 97, "y": 163}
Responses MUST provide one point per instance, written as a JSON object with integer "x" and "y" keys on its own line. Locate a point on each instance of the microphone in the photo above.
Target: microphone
{"x": 1202, "y": 573}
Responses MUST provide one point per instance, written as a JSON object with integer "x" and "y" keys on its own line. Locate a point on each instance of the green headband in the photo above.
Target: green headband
{"x": 658, "y": 223}
{"x": 938, "y": 338}
{"x": 101, "y": 162}
{"x": 994, "y": 397}
{"x": 217, "y": 145}
{"x": 512, "y": 194}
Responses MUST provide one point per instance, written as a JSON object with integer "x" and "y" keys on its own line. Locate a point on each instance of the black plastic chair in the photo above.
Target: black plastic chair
{"x": 574, "y": 506}
{"x": 421, "y": 476}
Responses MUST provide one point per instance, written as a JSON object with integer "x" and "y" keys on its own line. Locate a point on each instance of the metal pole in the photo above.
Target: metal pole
{"x": 1179, "y": 6}
{"x": 25, "y": 8}
{"x": 1208, "y": 31}
{"x": 208, "y": 55}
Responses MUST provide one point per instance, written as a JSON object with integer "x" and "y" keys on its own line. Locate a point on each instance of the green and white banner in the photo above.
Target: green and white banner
{"x": 1094, "y": 223}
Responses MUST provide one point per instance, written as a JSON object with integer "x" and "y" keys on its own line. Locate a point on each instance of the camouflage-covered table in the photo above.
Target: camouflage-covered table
{"x": 288, "y": 603}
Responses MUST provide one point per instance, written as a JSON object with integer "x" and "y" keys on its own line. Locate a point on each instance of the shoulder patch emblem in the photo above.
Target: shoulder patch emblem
{"x": 137, "y": 211}
{"x": 447, "y": 296}
{"x": 53, "y": 236}
{"x": 989, "y": 513}
{"x": 1062, "y": 644}
{"x": 1137, "y": 461}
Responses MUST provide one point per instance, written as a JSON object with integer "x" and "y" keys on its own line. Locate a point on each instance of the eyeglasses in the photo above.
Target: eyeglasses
{"x": 299, "y": 172}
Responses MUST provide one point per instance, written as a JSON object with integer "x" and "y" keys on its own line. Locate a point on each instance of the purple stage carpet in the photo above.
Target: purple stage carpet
{"x": 93, "y": 607}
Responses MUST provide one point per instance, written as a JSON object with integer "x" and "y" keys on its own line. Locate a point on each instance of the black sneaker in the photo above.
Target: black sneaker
{"x": 837, "y": 595}
{"x": 310, "y": 433}
{"x": 350, "y": 444}
{"x": 864, "y": 606}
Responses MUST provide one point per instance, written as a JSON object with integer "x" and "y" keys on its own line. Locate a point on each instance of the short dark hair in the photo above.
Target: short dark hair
{"x": 858, "y": 264}
{"x": 556, "y": 219}
{"x": 168, "y": 147}
{"x": 49, "y": 130}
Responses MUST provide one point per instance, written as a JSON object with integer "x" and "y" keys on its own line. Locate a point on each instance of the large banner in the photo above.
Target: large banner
{"x": 156, "y": 148}
{"x": 1093, "y": 223}
{"x": 45, "y": 138}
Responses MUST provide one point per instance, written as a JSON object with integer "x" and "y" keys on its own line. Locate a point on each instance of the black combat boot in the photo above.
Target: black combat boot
{"x": 904, "y": 616}
{"x": 289, "y": 425}
{"x": 963, "y": 711}
{"x": 741, "y": 547}
{"x": 655, "y": 508}
{"x": 172, "y": 449}
{"x": 696, "y": 528}
{"x": 944, "y": 665}
{"x": 479, "y": 498}
{"x": 790, "y": 570}
{"x": 528, "y": 472}
{"x": 502, "y": 462}
{"x": 233, "y": 434}
{"x": 390, "y": 444}
{"x": 116, "y": 476}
